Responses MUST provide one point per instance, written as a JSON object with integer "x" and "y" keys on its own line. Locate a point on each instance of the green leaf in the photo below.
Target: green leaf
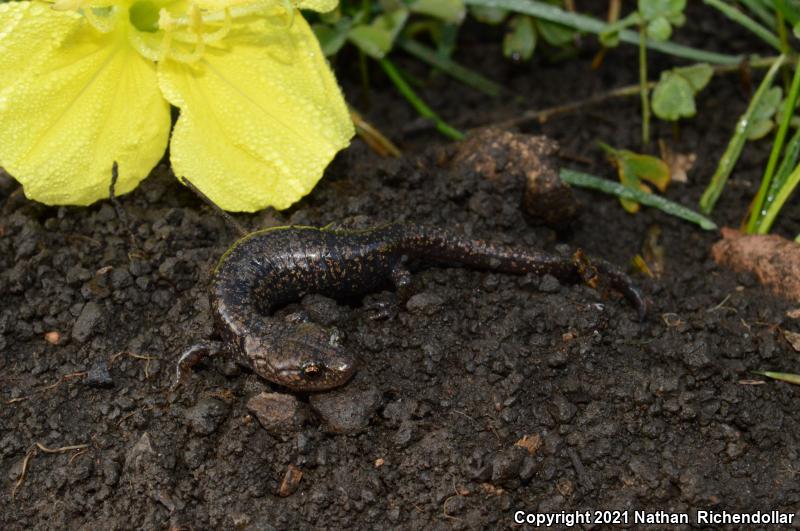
{"x": 659, "y": 29}
{"x": 330, "y": 39}
{"x": 697, "y": 75}
{"x": 554, "y": 34}
{"x": 673, "y": 97}
{"x": 669, "y": 9}
{"x": 488, "y": 15}
{"x": 448, "y": 10}
{"x": 520, "y": 42}
{"x": 377, "y": 38}
{"x": 609, "y": 39}
{"x": 761, "y": 120}
{"x": 633, "y": 167}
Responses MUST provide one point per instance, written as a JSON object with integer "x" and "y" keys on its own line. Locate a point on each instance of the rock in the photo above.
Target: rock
{"x": 346, "y": 410}
{"x": 425, "y": 301}
{"x": 87, "y": 322}
{"x": 549, "y": 284}
{"x": 99, "y": 376}
{"x": 507, "y": 464}
{"x": 139, "y": 453}
{"x": 277, "y": 412}
{"x": 291, "y": 481}
{"x": 206, "y": 416}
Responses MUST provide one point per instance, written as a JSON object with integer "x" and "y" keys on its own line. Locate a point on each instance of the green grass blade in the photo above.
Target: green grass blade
{"x": 782, "y": 376}
{"x": 757, "y": 213}
{"x": 420, "y": 106}
{"x": 780, "y": 199}
{"x": 743, "y": 20}
{"x": 761, "y": 11}
{"x": 589, "y": 24}
{"x": 736, "y": 144}
{"x": 450, "y": 67}
{"x": 585, "y": 180}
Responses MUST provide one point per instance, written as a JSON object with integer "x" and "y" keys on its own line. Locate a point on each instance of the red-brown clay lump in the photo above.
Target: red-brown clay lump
{"x": 774, "y": 260}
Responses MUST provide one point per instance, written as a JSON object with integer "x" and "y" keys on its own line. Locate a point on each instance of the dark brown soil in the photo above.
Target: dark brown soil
{"x": 617, "y": 414}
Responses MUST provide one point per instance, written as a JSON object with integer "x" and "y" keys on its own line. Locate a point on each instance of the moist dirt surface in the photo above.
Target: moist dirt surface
{"x": 482, "y": 395}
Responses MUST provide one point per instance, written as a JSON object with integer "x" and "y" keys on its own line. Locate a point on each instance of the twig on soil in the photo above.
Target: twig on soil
{"x": 232, "y": 223}
{"x": 83, "y": 448}
{"x": 671, "y": 319}
{"x": 721, "y": 306}
{"x": 121, "y": 215}
{"x": 542, "y": 115}
{"x": 132, "y": 413}
{"x": 147, "y": 359}
{"x": 23, "y": 473}
{"x": 62, "y": 449}
{"x": 47, "y": 387}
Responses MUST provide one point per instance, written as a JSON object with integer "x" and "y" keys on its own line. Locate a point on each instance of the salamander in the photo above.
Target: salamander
{"x": 270, "y": 268}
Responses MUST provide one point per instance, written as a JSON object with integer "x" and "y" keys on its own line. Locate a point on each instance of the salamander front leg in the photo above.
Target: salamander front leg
{"x": 191, "y": 357}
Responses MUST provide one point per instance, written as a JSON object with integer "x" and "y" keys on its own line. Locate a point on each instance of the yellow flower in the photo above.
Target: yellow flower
{"x": 84, "y": 83}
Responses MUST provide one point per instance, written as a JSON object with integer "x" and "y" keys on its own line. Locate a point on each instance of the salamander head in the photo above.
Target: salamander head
{"x": 309, "y": 357}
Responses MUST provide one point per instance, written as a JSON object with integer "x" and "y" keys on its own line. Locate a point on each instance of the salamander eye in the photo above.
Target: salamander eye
{"x": 312, "y": 370}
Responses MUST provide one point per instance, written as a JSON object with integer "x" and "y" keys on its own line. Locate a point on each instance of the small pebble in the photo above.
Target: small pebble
{"x": 346, "y": 410}
{"x": 277, "y": 412}
{"x": 52, "y": 337}
{"x": 291, "y": 481}
{"x": 424, "y": 301}
{"x": 99, "y": 376}
{"x": 87, "y": 322}
{"x": 206, "y": 416}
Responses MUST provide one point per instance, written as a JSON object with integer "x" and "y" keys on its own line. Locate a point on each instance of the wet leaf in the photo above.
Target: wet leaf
{"x": 520, "y": 42}
{"x": 376, "y": 39}
{"x": 670, "y": 10}
{"x": 452, "y": 11}
{"x": 633, "y": 168}
{"x": 697, "y": 75}
{"x": 554, "y": 34}
{"x": 673, "y": 97}
{"x": 761, "y": 119}
{"x": 331, "y": 39}
{"x": 488, "y": 15}
{"x": 659, "y": 29}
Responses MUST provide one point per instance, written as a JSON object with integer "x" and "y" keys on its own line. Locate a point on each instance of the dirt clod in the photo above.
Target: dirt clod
{"x": 277, "y": 412}
{"x": 99, "y": 376}
{"x": 88, "y": 321}
{"x": 290, "y": 482}
{"x": 348, "y": 409}
{"x": 774, "y": 260}
{"x": 207, "y": 415}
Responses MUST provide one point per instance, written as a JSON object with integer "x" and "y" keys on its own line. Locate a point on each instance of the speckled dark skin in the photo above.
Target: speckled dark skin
{"x": 272, "y": 267}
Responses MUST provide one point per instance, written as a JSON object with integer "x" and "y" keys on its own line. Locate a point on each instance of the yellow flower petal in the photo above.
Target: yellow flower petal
{"x": 323, "y": 6}
{"x": 259, "y": 120}
{"x": 28, "y": 32}
{"x": 84, "y": 104}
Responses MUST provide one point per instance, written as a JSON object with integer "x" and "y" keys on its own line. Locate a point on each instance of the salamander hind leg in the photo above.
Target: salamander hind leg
{"x": 594, "y": 271}
{"x": 191, "y": 357}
